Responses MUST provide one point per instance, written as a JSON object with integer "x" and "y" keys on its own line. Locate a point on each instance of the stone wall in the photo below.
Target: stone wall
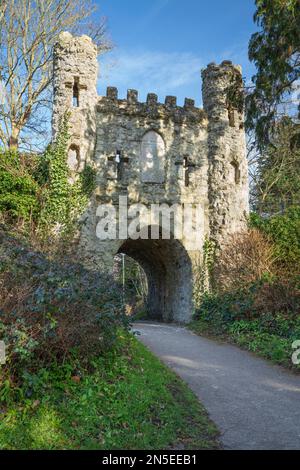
{"x": 122, "y": 125}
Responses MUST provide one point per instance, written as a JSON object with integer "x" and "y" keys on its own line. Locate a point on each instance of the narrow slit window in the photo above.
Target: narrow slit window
{"x": 231, "y": 117}
{"x": 76, "y": 94}
{"x": 236, "y": 172}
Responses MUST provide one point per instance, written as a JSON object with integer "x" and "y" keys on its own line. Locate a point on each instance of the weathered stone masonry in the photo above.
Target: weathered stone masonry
{"x": 154, "y": 153}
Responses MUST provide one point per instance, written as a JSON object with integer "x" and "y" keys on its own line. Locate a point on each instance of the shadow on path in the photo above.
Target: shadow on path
{"x": 256, "y": 405}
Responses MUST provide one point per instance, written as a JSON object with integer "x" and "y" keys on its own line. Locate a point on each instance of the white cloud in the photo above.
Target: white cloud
{"x": 150, "y": 71}
{"x": 165, "y": 73}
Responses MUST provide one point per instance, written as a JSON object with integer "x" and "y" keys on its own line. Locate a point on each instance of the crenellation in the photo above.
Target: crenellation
{"x": 112, "y": 93}
{"x": 131, "y": 105}
{"x": 226, "y": 62}
{"x": 189, "y": 103}
{"x": 171, "y": 101}
{"x": 152, "y": 99}
{"x": 132, "y": 96}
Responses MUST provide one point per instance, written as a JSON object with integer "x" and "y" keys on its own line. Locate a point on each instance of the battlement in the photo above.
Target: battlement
{"x": 68, "y": 44}
{"x": 225, "y": 66}
{"x": 218, "y": 83}
{"x": 132, "y": 106}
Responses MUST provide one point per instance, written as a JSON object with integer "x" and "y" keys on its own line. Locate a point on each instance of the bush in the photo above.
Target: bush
{"x": 39, "y": 189}
{"x": 250, "y": 277}
{"x": 284, "y": 231}
{"x": 247, "y": 258}
{"x": 256, "y": 296}
{"x": 262, "y": 301}
{"x": 18, "y": 189}
{"x": 245, "y": 318}
{"x": 49, "y": 310}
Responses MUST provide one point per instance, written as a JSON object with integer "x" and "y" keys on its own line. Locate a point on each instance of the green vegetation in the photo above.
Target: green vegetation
{"x": 284, "y": 231}
{"x": 275, "y": 51}
{"x": 259, "y": 308}
{"x": 125, "y": 399}
{"x": 276, "y": 179}
{"x": 51, "y": 310}
{"x": 135, "y": 286}
{"x": 74, "y": 377}
{"x": 63, "y": 201}
{"x": 272, "y": 108}
{"x": 18, "y": 189}
{"x": 39, "y": 194}
{"x": 233, "y": 318}
{"x": 255, "y": 296}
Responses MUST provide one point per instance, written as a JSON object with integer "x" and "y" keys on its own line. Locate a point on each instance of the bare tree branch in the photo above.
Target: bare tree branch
{"x": 28, "y": 32}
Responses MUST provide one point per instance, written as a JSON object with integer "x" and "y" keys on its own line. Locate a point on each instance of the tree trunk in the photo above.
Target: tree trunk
{"x": 14, "y": 138}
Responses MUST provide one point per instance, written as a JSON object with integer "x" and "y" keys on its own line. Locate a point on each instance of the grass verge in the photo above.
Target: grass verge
{"x": 252, "y": 336}
{"x": 127, "y": 400}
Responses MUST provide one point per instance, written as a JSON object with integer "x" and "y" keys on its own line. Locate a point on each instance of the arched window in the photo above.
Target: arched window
{"x": 236, "y": 172}
{"x": 74, "y": 158}
{"x": 152, "y": 161}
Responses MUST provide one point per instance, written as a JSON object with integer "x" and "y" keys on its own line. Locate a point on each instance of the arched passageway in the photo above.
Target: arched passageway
{"x": 169, "y": 274}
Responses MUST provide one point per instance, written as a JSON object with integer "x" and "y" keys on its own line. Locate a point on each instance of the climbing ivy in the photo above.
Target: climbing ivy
{"x": 203, "y": 271}
{"x": 63, "y": 200}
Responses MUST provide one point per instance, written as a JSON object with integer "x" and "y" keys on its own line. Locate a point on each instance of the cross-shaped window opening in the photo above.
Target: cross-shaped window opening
{"x": 76, "y": 93}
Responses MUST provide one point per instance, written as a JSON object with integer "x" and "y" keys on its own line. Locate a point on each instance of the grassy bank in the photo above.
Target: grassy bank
{"x": 254, "y": 297}
{"x": 127, "y": 399}
{"x": 256, "y": 336}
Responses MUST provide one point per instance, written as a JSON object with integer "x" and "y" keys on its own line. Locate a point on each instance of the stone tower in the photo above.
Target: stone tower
{"x": 75, "y": 74}
{"x": 228, "y": 169}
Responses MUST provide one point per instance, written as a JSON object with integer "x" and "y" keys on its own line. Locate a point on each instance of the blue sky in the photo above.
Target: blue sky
{"x": 160, "y": 46}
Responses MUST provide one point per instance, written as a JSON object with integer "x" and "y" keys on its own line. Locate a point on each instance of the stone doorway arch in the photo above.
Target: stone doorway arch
{"x": 168, "y": 268}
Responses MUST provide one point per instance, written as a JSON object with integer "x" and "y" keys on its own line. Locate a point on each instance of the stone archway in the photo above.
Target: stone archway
{"x": 168, "y": 268}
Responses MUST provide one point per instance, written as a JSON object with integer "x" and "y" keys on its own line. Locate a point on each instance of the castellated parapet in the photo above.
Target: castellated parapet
{"x": 132, "y": 106}
{"x": 155, "y": 153}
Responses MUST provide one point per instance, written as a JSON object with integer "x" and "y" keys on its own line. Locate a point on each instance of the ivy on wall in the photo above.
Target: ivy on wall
{"x": 63, "y": 200}
{"x": 203, "y": 271}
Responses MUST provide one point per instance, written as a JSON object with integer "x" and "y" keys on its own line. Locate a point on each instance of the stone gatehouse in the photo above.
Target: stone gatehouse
{"x": 154, "y": 153}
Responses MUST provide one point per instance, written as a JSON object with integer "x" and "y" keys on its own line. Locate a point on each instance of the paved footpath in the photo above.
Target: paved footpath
{"x": 256, "y": 405}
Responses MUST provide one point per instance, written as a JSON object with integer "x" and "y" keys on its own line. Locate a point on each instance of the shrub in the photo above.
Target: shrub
{"x": 48, "y": 310}
{"x": 260, "y": 300}
{"x": 250, "y": 279}
{"x": 284, "y": 231}
{"x": 18, "y": 189}
{"x": 247, "y": 258}
{"x": 256, "y": 291}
